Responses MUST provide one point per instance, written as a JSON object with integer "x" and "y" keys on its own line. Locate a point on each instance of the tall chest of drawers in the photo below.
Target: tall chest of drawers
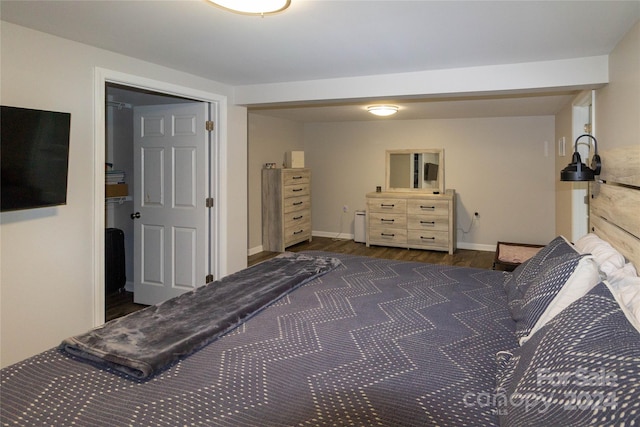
{"x": 286, "y": 208}
{"x": 412, "y": 220}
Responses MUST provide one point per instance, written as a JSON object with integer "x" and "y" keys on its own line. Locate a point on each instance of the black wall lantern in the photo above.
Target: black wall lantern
{"x": 578, "y": 171}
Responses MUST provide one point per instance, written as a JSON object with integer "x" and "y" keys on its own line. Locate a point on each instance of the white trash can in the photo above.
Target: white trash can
{"x": 359, "y": 227}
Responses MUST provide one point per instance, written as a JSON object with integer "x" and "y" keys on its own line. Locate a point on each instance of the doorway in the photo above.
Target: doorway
{"x": 582, "y": 123}
{"x": 121, "y": 102}
{"x": 150, "y": 91}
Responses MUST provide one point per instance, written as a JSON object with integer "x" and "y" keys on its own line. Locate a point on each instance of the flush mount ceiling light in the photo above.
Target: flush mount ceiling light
{"x": 382, "y": 110}
{"x": 253, "y": 7}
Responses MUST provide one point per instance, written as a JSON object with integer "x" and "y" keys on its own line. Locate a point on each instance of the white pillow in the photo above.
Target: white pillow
{"x": 584, "y": 278}
{"x": 627, "y": 270}
{"x": 609, "y": 260}
{"x": 626, "y": 290}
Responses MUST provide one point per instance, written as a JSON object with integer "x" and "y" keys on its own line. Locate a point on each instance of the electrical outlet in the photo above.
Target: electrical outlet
{"x": 345, "y": 208}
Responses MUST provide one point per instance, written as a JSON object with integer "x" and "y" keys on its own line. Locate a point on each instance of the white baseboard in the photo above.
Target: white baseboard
{"x": 255, "y": 250}
{"x": 345, "y": 236}
{"x": 476, "y": 247}
{"x": 349, "y": 236}
{"x": 128, "y": 286}
{"x": 258, "y": 249}
{"x": 461, "y": 245}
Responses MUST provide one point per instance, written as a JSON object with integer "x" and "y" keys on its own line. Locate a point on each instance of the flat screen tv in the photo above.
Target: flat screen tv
{"x": 34, "y": 158}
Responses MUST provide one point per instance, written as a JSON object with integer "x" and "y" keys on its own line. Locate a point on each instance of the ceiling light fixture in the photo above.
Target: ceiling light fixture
{"x": 253, "y": 7}
{"x": 383, "y": 110}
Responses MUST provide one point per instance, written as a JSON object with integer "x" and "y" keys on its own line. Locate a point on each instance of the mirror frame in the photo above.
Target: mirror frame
{"x": 440, "y": 186}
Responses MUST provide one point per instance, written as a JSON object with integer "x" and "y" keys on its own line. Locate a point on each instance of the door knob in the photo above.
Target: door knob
{"x": 135, "y": 215}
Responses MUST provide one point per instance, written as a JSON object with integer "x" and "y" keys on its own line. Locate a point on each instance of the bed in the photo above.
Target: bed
{"x": 366, "y": 341}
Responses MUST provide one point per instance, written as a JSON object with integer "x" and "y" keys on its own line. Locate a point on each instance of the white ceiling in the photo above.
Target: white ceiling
{"x": 319, "y": 39}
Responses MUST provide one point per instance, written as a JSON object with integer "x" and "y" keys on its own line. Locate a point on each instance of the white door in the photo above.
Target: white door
{"x": 171, "y": 175}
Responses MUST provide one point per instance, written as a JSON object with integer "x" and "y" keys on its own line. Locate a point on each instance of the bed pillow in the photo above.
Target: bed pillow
{"x": 581, "y": 368}
{"x": 561, "y": 281}
{"x": 627, "y": 270}
{"x": 626, "y": 290}
{"x": 608, "y": 259}
{"x": 517, "y": 283}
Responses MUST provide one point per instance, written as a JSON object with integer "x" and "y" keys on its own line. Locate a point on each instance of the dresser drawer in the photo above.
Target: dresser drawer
{"x": 428, "y": 239}
{"x": 387, "y": 236}
{"x": 412, "y": 220}
{"x": 296, "y": 190}
{"x": 428, "y": 206}
{"x": 299, "y": 203}
{"x": 292, "y": 219}
{"x": 428, "y": 223}
{"x": 297, "y": 232}
{"x": 388, "y": 219}
{"x": 286, "y": 208}
{"x": 388, "y": 205}
{"x": 295, "y": 177}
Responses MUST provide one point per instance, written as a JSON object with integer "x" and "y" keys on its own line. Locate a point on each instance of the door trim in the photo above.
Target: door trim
{"x": 582, "y": 112}
{"x": 218, "y": 171}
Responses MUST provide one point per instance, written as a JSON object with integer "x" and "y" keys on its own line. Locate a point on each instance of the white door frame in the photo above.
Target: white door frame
{"x": 583, "y": 108}
{"x": 218, "y": 171}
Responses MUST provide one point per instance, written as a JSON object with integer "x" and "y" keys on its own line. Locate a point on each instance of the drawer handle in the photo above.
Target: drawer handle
{"x": 386, "y": 220}
{"x": 382, "y": 205}
{"x": 298, "y": 232}
{"x": 297, "y": 203}
{"x": 428, "y": 222}
{"x": 296, "y": 177}
{"x": 297, "y": 217}
{"x": 427, "y": 207}
{"x": 387, "y": 235}
{"x": 295, "y": 190}
{"x": 427, "y": 238}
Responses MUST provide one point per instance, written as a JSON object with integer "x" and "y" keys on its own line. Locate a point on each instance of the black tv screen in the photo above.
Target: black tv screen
{"x": 34, "y": 156}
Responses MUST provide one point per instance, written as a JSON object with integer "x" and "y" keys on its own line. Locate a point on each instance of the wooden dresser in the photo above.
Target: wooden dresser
{"x": 286, "y": 208}
{"x": 412, "y": 220}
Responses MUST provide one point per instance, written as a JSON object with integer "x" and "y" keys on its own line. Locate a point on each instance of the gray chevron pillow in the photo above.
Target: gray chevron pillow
{"x": 517, "y": 285}
{"x": 582, "y": 368}
{"x": 561, "y": 281}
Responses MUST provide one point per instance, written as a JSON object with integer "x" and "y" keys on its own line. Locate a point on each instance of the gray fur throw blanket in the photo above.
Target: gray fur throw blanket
{"x": 143, "y": 343}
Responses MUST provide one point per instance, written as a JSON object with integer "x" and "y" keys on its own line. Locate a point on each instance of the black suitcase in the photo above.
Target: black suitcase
{"x": 114, "y": 263}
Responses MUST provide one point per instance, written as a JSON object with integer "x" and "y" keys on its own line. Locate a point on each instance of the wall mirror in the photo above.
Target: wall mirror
{"x": 420, "y": 170}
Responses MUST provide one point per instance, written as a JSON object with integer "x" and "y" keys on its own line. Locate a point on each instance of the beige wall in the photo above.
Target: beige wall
{"x": 563, "y": 189}
{"x": 269, "y": 139}
{"x": 47, "y": 255}
{"x": 333, "y": 149}
{"x": 496, "y": 165}
{"x": 47, "y": 269}
{"x": 617, "y": 120}
{"x": 618, "y": 104}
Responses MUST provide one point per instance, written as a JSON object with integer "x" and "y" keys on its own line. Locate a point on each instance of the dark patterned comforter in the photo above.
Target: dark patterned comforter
{"x": 147, "y": 341}
{"x": 373, "y": 342}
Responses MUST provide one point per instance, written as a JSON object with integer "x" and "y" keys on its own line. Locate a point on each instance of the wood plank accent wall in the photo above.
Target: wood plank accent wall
{"x": 627, "y": 245}
{"x": 615, "y": 202}
{"x": 621, "y": 165}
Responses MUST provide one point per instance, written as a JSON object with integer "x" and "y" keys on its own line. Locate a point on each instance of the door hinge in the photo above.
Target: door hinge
{"x": 209, "y": 125}
{"x": 209, "y": 202}
{"x": 209, "y": 278}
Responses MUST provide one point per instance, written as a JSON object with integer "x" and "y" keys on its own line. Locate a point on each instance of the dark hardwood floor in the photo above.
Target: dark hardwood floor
{"x": 462, "y": 257}
{"x": 121, "y": 303}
